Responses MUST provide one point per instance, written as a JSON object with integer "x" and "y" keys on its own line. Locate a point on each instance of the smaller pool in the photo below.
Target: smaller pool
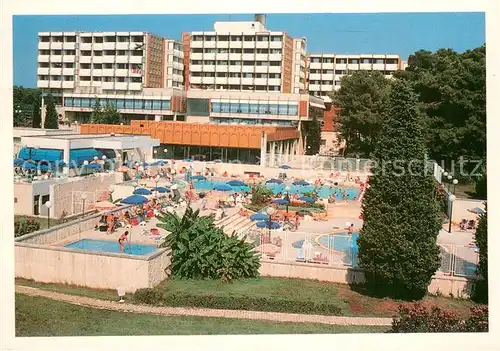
{"x": 111, "y": 247}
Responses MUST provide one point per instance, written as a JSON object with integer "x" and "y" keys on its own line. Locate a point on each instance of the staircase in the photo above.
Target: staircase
{"x": 235, "y": 222}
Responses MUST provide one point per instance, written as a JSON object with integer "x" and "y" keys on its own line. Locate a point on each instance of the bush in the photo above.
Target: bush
{"x": 200, "y": 250}
{"x": 415, "y": 318}
{"x": 25, "y": 227}
{"x": 250, "y": 303}
{"x": 148, "y": 296}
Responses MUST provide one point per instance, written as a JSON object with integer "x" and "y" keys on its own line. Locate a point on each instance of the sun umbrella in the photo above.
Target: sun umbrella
{"x": 268, "y": 224}
{"x": 44, "y": 167}
{"x": 198, "y": 177}
{"x": 18, "y": 162}
{"x": 104, "y": 205}
{"x": 285, "y": 167}
{"x": 280, "y": 201}
{"x": 187, "y": 160}
{"x": 142, "y": 191}
{"x": 301, "y": 183}
{"x": 223, "y": 187}
{"x": 259, "y": 217}
{"x": 476, "y": 210}
{"x": 236, "y": 183}
{"x": 134, "y": 200}
{"x": 161, "y": 189}
{"x": 274, "y": 181}
{"x": 306, "y": 199}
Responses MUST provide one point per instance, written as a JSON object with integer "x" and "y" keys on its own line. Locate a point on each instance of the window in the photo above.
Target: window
{"x": 121, "y": 52}
{"x": 57, "y": 52}
{"x": 254, "y": 108}
{"x": 245, "y": 108}
{"x": 339, "y": 72}
{"x": 156, "y": 104}
{"x": 68, "y": 101}
{"x": 68, "y": 78}
{"x": 197, "y": 50}
{"x": 210, "y": 38}
{"x": 283, "y": 110}
{"x": 136, "y": 80}
{"x": 98, "y": 40}
{"x": 273, "y": 109}
{"x": 235, "y": 38}
{"x": 315, "y": 59}
{"x": 86, "y": 53}
{"x": 44, "y": 52}
{"x": 222, "y": 63}
{"x": 148, "y": 104}
{"x": 234, "y": 63}
{"x": 293, "y": 110}
{"x": 223, "y": 38}
{"x": 120, "y": 79}
{"x": 70, "y": 52}
{"x": 98, "y": 53}
{"x": 85, "y": 65}
{"x": 108, "y": 79}
{"x": 43, "y": 65}
{"x": 108, "y": 66}
{"x": 43, "y": 77}
{"x": 197, "y": 37}
{"x": 86, "y": 40}
{"x": 216, "y": 107}
{"x": 44, "y": 39}
{"x": 263, "y": 107}
{"x": 275, "y": 51}
{"x": 165, "y": 105}
{"x": 391, "y": 61}
{"x": 328, "y": 71}
{"x": 365, "y": 60}
{"x": 234, "y": 107}
{"x": 85, "y": 102}
{"x": 276, "y": 38}
{"x": 137, "y": 38}
{"x": 328, "y": 60}
{"x": 353, "y": 61}
{"x": 249, "y": 38}
{"x": 129, "y": 103}
{"x": 96, "y": 79}
{"x": 341, "y": 61}
{"x": 97, "y": 65}
{"x": 337, "y": 82}
{"x": 123, "y": 39}
{"x": 110, "y": 39}
{"x": 210, "y": 51}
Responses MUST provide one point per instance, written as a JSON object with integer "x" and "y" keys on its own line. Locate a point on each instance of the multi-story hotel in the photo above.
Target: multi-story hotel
{"x": 137, "y": 71}
{"x": 326, "y": 70}
{"x": 244, "y": 56}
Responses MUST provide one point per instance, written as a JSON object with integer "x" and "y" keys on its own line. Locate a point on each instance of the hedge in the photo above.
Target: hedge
{"x": 237, "y": 302}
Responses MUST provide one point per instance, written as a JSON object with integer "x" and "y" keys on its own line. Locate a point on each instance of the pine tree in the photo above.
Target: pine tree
{"x": 37, "y": 117}
{"x": 313, "y": 133}
{"x": 111, "y": 114}
{"x": 51, "y": 120}
{"x": 397, "y": 244}
{"x": 97, "y": 115}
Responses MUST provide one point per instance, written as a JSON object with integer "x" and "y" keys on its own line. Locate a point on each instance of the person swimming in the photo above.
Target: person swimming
{"x": 122, "y": 239}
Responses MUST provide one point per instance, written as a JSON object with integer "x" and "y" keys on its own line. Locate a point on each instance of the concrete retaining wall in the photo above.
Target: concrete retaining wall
{"x": 445, "y": 285}
{"x": 93, "y": 270}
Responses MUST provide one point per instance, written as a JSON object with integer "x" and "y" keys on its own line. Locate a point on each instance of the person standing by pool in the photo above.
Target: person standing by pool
{"x": 351, "y": 229}
{"x": 122, "y": 239}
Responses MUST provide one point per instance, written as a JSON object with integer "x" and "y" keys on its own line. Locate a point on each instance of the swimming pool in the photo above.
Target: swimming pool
{"x": 111, "y": 247}
{"x": 345, "y": 243}
{"x": 323, "y": 191}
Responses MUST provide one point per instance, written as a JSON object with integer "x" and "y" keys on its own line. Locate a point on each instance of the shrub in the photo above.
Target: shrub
{"x": 200, "y": 250}
{"x": 415, "y": 318}
{"x": 25, "y": 227}
{"x": 251, "y": 303}
{"x": 148, "y": 296}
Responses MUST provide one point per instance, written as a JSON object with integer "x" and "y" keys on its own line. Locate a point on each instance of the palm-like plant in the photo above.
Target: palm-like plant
{"x": 200, "y": 250}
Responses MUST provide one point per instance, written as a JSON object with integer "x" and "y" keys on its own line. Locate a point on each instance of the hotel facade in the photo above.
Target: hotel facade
{"x": 241, "y": 73}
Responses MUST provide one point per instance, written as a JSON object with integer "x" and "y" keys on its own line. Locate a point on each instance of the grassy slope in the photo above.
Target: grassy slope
{"x": 352, "y": 303}
{"x": 37, "y": 316}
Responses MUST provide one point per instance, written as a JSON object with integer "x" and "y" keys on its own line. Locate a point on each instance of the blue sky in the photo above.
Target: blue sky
{"x": 396, "y": 33}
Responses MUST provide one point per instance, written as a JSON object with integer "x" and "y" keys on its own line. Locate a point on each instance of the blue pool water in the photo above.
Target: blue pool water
{"x": 111, "y": 247}
{"x": 323, "y": 192}
{"x": 340, "y": 242}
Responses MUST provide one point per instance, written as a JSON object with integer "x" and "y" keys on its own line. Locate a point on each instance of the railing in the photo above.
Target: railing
{"x": 339, "y": 249}
{"x": 319, "y": 163}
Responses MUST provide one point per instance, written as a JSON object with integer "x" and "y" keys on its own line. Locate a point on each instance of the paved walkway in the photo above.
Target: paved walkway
{"x": 203, "y": 312}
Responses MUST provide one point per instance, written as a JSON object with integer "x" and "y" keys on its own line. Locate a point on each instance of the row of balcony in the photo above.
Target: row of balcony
{"x": 355, "y": 66}
{"x": 235, "y": 81}
{"x": 236, "y": 57}
{"x": 89, "y": 59}
{"x": 87, "y": 46}
{"x": 237, "y": 44}
{"x": 233, "y": 68}
{"x": 58, "y": 84}
{"x": 317, "y": 87}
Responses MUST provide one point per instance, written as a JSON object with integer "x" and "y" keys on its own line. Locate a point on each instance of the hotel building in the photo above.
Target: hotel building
{"x": 139, "y": 72}
{"x": 326, "y": 70}
{"x": 244, "y": 56}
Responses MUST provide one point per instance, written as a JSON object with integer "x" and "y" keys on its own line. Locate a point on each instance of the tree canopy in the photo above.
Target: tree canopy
{"x": 107, "y": 115}
{"x": 397, "y": 243}
{"x": 452, "y": 93}
{"x": 313, "y": 134}
{"x": 362, "y": 102}
{"x": 26, "y": 107}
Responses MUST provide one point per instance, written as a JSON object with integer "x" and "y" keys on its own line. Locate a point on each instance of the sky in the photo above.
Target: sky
{"x": 375, "y": 33}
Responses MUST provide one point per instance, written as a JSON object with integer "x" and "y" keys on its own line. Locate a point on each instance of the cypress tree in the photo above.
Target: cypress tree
{"x": 51, "y": 120}
{"x": 37, "y": 118}
{"x": 397, "y": 244}
{"x": 313, "y": 136}
{"x": 481, "y": 239}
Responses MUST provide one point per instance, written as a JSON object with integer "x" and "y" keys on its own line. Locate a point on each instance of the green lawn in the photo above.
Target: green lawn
{"x": 37, "y": 316}
{"x": 350, "y": 302}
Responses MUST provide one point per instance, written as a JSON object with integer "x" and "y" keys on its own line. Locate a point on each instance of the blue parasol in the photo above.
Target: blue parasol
{"x": 18, "y": 162}
{"x": 134, "y": 200}
{"x": 198, "y": 177}
{"x": 285, "y": 167}
{"x": 268, "y": 224}
{"x": 301, "y": 183}
{"x": 274, "y": 181}
{"x": 142, "y": 191}
{"x": 161, "y": 189}
{"x": 259, "y": 217}
{"x": 280, "y": 201}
